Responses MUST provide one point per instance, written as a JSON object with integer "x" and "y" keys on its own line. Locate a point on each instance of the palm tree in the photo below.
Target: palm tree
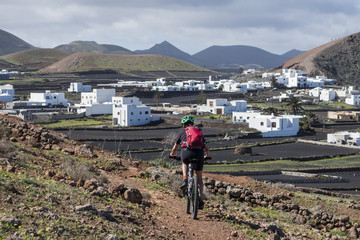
{"x": 310, "y": 118}
{"x": 271, "y": 110}
{"x": 294, "y": 106}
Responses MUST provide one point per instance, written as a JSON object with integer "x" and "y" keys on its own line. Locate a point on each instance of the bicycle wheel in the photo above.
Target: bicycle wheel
{"x": 194, "y": 197}
{"x": 187, "y": 197}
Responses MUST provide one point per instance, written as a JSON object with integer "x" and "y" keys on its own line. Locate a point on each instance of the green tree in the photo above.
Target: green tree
{"x": 241, "y": 70}
{"x": 157, "y": 96}
{"x": 294, "y": 106}
{"x": 273, "y": 81}
{"x": 201, "y": 98}
{"x": 272, "y": 110}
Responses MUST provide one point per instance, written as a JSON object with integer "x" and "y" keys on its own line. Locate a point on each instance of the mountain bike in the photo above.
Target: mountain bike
{"x": 192, "y": 191}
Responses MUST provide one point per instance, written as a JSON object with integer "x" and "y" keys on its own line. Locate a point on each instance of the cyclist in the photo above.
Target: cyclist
{"x": 190, "y": 153}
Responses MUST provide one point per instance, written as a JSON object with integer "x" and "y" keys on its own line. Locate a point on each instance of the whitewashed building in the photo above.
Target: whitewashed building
{"x": 269, "y": 125}
{"x": 353, "y": 99}
{"x": 47, "y": 99}
{"x": 7, "y": 93}
{"x": 97, "y": 96}
{"x": 351, "y": 138}
{"x": 222, "y": 106}
{"x": 79, "y": 87}
{"x": 129, "y": 111}
{"x": 327, "y": 95}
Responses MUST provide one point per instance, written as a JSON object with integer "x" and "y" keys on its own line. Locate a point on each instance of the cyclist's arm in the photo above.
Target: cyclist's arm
{"x": 174, "y": 149}
{"x": 207, "y": 151}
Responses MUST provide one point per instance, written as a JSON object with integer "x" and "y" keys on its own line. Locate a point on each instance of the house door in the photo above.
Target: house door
{"x": 219, "y": 111}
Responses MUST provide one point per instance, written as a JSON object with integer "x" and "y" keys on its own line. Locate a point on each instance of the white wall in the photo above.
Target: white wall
{"x": 48, "y": 98}
{"x": 97, "y": 96}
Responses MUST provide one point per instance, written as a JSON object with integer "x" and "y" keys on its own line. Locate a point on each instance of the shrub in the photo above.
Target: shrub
{"x": 4, "y": 130}
{"x": 242, "y": 149}
{"x": 7, "y": 149}
{"x": 78, "y": 170}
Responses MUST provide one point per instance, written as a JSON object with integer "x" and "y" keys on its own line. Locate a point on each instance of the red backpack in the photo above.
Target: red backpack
{"x": 194, "y": 137}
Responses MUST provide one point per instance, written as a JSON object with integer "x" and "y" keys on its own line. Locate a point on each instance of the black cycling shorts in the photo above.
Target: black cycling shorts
{"x": 187, "y": 154}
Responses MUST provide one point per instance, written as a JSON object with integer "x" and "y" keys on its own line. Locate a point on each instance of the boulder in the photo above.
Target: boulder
{"x": 84, "y": 151}
{"x": 133, "y": 195}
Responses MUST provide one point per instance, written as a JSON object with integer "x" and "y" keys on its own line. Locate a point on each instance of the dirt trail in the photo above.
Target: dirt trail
{"x": 168, "y": 213}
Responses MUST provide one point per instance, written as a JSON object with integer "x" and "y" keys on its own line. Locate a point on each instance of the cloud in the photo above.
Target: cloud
{"x": 276, "y": 26}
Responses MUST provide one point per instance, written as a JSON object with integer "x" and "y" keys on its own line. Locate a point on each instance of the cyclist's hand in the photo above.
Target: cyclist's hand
{"x": 207, "y": 158}
{"x": 173, "y": 157}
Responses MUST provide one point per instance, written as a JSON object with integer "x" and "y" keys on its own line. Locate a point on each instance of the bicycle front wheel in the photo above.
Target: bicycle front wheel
{"x": 195, "y": 197}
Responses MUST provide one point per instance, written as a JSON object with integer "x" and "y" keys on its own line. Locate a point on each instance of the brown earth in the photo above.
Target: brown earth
{"x": 161, "y": 215}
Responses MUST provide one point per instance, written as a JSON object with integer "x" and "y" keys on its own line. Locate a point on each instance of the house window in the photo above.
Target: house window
{"x": 273, "y": 124}
{"x": 118, "y": 113}
{"x": 146, "y": 112}
{"x": 140, "y": 112}
{"x": 211, "y": 103}
{"x": 132, "y": 113}
{"x": 261, "y": 123}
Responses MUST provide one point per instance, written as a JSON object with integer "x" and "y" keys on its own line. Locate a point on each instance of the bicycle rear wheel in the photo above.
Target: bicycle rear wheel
{"x": 188, "y": 200}
{"x": 195, "y": 197}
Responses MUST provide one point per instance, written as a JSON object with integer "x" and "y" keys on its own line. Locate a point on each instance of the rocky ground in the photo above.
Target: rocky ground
{"x": 55, "y": 188}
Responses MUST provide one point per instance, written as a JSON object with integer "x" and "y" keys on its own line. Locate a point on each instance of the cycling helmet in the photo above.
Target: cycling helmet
{"x": 186, "y": 119}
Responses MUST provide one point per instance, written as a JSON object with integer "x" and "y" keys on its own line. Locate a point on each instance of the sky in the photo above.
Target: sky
{"x": 276, "y": 26}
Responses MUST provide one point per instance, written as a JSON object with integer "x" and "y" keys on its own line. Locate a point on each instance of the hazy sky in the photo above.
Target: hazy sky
{"x": 191, "y": 25}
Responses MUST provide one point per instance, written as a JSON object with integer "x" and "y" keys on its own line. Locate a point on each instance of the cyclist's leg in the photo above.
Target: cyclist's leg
{"x": 185, "y": 166}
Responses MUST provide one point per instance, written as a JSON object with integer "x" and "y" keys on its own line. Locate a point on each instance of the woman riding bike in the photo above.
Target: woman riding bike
{"x": 188, "y": 153}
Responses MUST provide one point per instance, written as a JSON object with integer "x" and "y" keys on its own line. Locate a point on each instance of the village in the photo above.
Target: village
{"x": 130, "y": 111}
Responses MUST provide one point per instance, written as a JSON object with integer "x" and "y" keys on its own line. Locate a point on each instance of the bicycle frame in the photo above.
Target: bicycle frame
{"x": 192, "y": 193}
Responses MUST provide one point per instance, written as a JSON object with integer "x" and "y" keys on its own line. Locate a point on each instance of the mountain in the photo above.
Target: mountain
{"x": 339, "y": 59}
{"x": 238, "y": 55}
{"x": 91, "y": 46}
{"x": 167, "y": 49}
{"x": 89, "y": 62}
{"x": 35, "y": 58}
{"x": 10, "y": 43}
{"x": 291, "y": 54}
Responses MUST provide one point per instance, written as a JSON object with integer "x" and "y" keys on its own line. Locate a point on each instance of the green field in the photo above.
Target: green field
{"x": 340, "y": 162}
{"x": 81, "y": 122}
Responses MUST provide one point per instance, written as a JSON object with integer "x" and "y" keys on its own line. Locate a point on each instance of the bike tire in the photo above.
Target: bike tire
{"x": 187, "y": 198}
{"x": 195, "y": 198}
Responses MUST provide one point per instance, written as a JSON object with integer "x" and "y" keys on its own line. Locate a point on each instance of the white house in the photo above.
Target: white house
{"x": 7, "y": 93}
{"x": 47, "y": 99}
{"x": 97, "y": 96}
{"x": 233, "y": 86}
{"x": 79, "y": 87}
{"x": 222, "y": 106}
{"x": 327, "y": 95}
{"x": 270, "y": 125}
{"x": 129, "y": 111}
{"x": 315, "y": 92}
{"x": 351, "y": 138}
{"x": 353, "y": 99}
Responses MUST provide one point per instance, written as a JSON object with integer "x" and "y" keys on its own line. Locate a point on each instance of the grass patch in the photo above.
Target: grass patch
{"x": 338, "y": 162}
{"x": 81, "y": 122}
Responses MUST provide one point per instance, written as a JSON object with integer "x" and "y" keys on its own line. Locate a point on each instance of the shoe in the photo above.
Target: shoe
{"x": 184, "y": 184}
{"x": 201, "y": 205}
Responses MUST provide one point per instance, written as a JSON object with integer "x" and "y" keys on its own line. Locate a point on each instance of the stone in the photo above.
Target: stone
{"x": 10, "y": 220}
{"x": 133, "y": 195}
{"x": 353, "y": 233}
{"x": 84, "y": 151}
{"x": 86, "y": 207}
{"x": 233, "y": 192}
{"x": 56, "y": 147}
{"x": 111, "y": 237}
{"x": 118, "y": 189}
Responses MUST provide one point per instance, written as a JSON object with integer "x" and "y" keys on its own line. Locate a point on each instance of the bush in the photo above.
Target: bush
{"x": 7, "y": 149}
{"x": 78, "y": 170}
{"x": 4, "y": 130}
{"x": 242, "y": 149}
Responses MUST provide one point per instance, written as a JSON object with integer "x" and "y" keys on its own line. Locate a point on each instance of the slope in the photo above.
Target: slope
{"x": 84, "y": 62}
{"x": 240, "y": 55}
{"x": 91, "y": 46}
{"x": 10, "y": 43}
{"x": 35, "y": 59}
{"x": 167, "y": 49}
{"x": 53, "y": 187}
{"x": 338, "y": 59}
